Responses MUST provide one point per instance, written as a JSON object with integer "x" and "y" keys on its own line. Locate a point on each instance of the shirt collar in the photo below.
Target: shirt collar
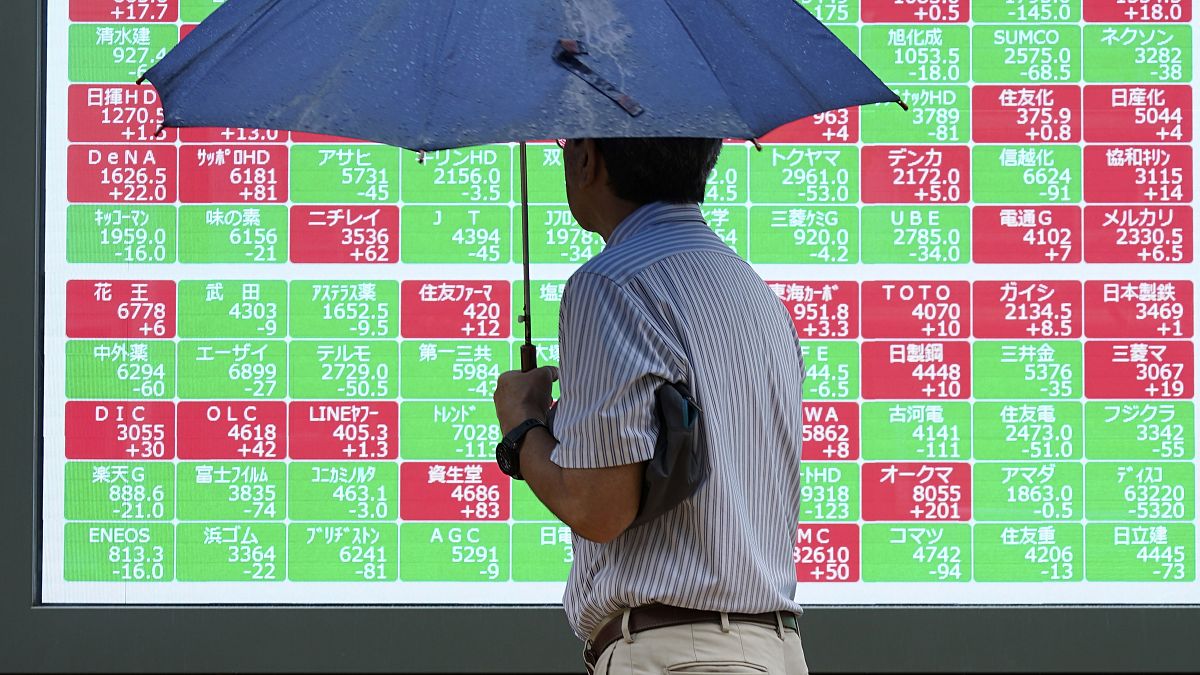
{"x": 652, "y": 214}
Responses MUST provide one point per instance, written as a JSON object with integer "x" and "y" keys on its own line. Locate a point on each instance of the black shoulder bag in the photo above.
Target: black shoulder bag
{"x": 680, "y": 463}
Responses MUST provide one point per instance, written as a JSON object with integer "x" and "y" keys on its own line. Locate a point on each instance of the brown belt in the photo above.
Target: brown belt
{"x": 649, "y": 617}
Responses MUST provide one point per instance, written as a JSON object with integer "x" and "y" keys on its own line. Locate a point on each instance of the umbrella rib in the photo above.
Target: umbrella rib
{"x": 224, "y": 45}
{"x": 707, "y": 62}
{"x": 429, "y": 87}
{"x": 783, "y": 61}
{"x": 332, "y": 77}
{"x": 732, "y": 101}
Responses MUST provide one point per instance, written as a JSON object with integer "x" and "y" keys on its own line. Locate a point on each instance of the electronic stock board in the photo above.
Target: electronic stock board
{"x": 269, "y": 355}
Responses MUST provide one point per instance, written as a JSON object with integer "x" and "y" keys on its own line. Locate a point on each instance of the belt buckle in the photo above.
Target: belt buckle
{"x": 791, "y": 622}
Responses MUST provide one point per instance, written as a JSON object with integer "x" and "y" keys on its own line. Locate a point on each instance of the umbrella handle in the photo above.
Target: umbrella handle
{"x": 528, "y": 351}
{"x": 528, "y": 358}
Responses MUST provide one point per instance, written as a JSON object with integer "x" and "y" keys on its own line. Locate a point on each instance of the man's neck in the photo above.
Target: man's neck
{"x": 612, "y": 215}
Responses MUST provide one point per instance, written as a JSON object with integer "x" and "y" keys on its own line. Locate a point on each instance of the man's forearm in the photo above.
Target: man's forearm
{"x": 545, "y": 477}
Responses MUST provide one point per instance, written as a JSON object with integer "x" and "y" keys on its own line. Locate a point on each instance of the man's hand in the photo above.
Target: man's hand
{"x": 520, "y": 396}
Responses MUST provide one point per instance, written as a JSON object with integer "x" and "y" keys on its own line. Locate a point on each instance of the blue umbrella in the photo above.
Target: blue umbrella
{"x": 436, "y": 74}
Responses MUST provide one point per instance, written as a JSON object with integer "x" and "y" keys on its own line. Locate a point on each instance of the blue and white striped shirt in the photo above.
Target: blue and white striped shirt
{"x": 668, "y": 300}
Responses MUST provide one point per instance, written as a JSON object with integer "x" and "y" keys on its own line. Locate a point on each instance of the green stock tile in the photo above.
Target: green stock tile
{"x": 1137, "y": 53}
{"x": 445, "y": 369}
{"x": 457, "y": 234}
{"x": 1012, "y": 174}
{"x": 231, "y": 551}
{"x": 120, "y": 491}
{"x": 1141, "y": 491}
{"x": 115, "y": 52}
{"x": 454, "y": 551}
{"x": 1141, "y": 552}
{"x": 547, "y": 355}
{"x": 526, "y": 505}
{"x": 1029, "y": 54}
{"x": 339, "y": 369}
{"x": 922, "y": 235}
{"x": 731, "y": 223}
{"x": 344, "y": 174}
{"x": 232, "y": 309}
{"x": 916, "y": 552}
{"x": 849, "y": 37}
{"x": 1031, "y": 11}
{"x": 1028, "y": 430}
{"x": 541, "y": 552}
{"x": 804, "y": 234}
{"x": 233, "y": 234}
{"x": 1023, "y": 552}
{"x": 448, "y": 430}
{"x": 232, "y": 490}
{"x": 1029, "y": 491}
{"x": 545, "y": 296}
{"x": 120, "y": 234}
{"x": 119, "y": 369}
{"x": 546, "y": 182}
{"x": 342, "y": 552}
{"x": 118, "y": 552}
{"x": 808, "y": 174}
{"x": 195, "y": 11}
{"x": 828, "y": 491}
{"x": 477, "y": 175}
{"x": 936, "y": 114}
{"x": 343, "y": 490}
{"x": 1144, "y": 430}
{"x": 727, "y": 181}
{"x": 831, "y": 370}
{"x": 232, "y": 369}
{"x": 832, "y": 11}
{"x": 916, "y": 54}
{"x": 345, "y": 309}
{"x": 1027, "y": 370}
{"x": 900, "y": 430}
{"x": 555, "y": 237}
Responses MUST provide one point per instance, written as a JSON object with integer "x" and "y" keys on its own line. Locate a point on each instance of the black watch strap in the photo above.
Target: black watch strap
{"x": 508, "y": 451}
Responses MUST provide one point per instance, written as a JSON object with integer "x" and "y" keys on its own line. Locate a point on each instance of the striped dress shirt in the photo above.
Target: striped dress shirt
{"x": 667, "y": 300}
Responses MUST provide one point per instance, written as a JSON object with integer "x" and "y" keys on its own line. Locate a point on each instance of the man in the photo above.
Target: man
{"x": 708, "y": 586}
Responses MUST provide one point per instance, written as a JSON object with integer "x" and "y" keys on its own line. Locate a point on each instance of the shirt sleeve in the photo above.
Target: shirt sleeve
{"x": 613, "y": 359}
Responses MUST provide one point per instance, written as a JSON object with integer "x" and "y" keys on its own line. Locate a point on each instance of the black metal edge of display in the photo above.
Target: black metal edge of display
{"x": 44, "y": 638}
{"x": 39, "y": 312}
{"x": 20, "y": 180}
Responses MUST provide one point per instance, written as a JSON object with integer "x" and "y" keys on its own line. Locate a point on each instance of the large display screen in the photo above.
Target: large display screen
{"x": 269, "y": 356}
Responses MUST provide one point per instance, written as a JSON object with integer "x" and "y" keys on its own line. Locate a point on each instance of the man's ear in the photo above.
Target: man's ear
{"x": 590, "y": 164}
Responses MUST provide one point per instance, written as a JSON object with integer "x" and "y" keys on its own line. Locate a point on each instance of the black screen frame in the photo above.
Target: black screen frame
{"x": 41, "y": 638}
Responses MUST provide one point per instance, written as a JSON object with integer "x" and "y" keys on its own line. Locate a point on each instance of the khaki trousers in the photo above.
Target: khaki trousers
{"x": 703, "y": 648}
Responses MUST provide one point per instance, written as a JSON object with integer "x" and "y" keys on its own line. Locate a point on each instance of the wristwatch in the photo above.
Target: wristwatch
{"x": 508, "y": 450}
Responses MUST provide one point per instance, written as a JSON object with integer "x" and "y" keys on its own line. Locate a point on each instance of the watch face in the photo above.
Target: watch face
{"x": 504, "y": 458}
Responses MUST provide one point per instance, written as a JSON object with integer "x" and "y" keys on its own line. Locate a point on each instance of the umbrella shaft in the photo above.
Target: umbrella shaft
{"x": 528, "y": 355}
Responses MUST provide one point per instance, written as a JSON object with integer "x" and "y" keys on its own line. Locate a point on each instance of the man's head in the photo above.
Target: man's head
{"x": 607, "y": 178}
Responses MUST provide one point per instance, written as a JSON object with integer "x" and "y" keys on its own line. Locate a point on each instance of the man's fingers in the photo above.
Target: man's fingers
{"x": 553, "y": 371}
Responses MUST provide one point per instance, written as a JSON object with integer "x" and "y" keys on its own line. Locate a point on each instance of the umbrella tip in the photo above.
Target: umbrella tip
{"x": 140, "y": 79}
{"x": 420, "y": 157}
{"x": 757, "y": 145}
{"x": 903, "y": 105}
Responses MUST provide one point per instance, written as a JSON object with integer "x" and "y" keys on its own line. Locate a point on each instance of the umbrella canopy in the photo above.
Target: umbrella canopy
{"x": 450, "y": 73}
{"x": 437, "y": 74}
